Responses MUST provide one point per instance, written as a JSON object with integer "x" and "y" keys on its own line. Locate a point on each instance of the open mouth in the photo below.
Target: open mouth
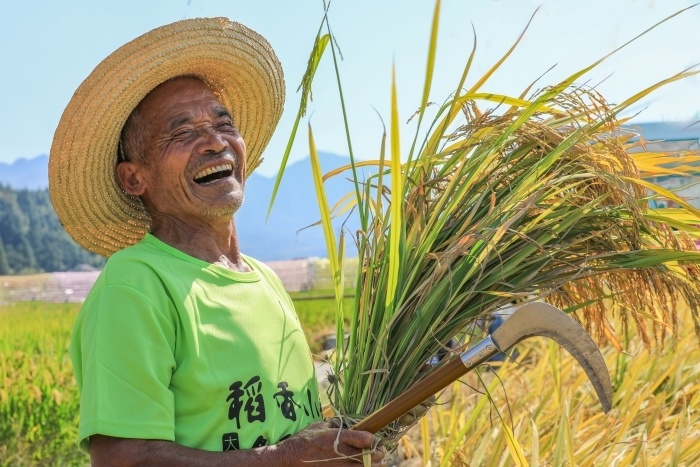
{"x": 213, "y": 173}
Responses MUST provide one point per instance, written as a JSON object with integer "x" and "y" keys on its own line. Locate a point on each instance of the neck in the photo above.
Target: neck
{"x": 213, "y": 241}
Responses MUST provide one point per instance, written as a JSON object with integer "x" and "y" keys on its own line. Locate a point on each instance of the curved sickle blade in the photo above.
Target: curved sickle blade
{"x": 542, "y": 319}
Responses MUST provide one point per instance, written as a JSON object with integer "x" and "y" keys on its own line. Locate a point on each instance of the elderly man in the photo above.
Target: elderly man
{"x": 185, "y": 346}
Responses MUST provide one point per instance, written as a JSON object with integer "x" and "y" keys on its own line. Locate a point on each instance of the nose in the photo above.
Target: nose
{"x": 211, "y": 141}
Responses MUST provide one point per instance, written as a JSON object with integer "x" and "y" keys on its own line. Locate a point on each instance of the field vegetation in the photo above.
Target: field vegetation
{"x": 38, "y": 394}
{"x": 540, "y": 409}
{"x": 502, "y": 198}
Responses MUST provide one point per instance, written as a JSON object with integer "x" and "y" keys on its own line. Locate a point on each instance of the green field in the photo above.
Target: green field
{"x": 316, "y": 310}
{"x": 38, "y": 394}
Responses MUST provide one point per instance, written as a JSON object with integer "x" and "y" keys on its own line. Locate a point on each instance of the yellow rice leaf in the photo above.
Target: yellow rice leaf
{"x": 344, "y": 204}
{"x": 610, "y": 336}
{"x": 663, "y": 191}
{"x": 675, "y": 214}
{"x": 503, "y": 99}
{"x": 535, "y": 451}
{"x": 322, "y": 203}
{"x": 654, "y": 159}
{"x": 498, "y": 64}
{"x": 455, "y": 107}
{"x": 425, "y": 436}
{"x": 339, "y": 170}
{"x": 516, "y": 452}
{"x": 335, "y": 261}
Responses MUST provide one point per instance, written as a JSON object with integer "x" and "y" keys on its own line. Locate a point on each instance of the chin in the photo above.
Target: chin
{"x": 225, "y": 209}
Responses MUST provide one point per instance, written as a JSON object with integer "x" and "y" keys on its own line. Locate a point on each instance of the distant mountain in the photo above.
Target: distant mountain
{"x": 296, "y": 207}
{"x": 32, "y": 174}
{"x": 277, "y": 238}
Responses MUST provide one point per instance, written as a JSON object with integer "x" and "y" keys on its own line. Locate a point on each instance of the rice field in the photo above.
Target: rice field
{"x": 38, "y": 395}
{"x": 541, "y": 410}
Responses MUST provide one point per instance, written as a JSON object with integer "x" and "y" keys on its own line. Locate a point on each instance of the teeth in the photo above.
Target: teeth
{"x": 209, "y": 171}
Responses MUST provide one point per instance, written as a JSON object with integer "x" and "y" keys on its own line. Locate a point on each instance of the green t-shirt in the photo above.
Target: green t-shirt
{"x": 170, "y": 347}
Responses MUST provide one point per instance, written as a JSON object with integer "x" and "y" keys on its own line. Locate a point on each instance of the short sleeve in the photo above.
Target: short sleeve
{"x": 123, "y": 352}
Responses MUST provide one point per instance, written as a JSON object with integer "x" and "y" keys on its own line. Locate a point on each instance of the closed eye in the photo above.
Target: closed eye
{"x": 183, "y": 134}
{"x": 226, "y": 126}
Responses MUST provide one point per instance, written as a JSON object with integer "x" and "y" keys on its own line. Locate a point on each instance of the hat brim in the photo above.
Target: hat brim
{"x": 235, "y": 62}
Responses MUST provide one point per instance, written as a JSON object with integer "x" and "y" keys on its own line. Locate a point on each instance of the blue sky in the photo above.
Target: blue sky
{"x": 48, "y": 47}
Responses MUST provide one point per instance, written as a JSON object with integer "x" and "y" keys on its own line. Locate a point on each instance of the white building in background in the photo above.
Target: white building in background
{"x": 298, "y": 275}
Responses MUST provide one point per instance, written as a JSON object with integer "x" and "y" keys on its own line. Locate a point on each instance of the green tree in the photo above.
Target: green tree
{"x": 33, "y": 238}
{"x": 4, "y": 265}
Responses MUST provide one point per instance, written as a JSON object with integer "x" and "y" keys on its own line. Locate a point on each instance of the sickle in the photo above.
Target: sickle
{"x": 530, "y": 320}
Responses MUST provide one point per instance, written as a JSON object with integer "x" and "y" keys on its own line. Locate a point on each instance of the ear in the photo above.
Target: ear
{"x": 130, "y": 178}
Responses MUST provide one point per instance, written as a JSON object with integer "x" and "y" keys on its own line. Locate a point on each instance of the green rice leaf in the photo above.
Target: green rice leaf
{"x": 314, "y": 59}
{"x": 396, "y": 229}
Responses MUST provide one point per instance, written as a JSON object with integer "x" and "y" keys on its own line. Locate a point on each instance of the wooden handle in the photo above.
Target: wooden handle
{"x": 429, "y": 385}
{"x": 413, "y": 396}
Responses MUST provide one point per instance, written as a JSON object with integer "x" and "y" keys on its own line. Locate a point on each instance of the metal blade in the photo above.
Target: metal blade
{"x": 542, "y": 319}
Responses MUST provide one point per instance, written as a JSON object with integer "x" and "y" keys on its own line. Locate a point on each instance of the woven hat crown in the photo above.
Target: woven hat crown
{"x": 237, "y": 63}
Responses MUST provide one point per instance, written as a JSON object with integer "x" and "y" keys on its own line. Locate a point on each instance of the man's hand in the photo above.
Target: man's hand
{"x": 327, "y": 444}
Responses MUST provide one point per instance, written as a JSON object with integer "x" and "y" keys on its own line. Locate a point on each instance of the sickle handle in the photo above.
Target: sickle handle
{"x": 429, "y": 385}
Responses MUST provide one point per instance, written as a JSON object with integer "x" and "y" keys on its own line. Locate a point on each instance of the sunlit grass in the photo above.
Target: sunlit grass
{"x": 544, "y": 398}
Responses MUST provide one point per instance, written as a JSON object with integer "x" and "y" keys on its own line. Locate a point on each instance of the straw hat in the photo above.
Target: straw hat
{"x": 238, "y": 65}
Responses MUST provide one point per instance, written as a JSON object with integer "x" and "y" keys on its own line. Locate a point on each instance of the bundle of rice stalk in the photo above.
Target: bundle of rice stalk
{"x": 502, "y": 199}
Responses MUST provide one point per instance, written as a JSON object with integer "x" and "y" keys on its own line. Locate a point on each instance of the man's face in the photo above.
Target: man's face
{"x": 194, "y": 156}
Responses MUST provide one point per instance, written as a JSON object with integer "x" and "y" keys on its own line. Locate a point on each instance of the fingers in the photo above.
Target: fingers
{"x": 358, "y": 439}
{"x": 353, "y": 443}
